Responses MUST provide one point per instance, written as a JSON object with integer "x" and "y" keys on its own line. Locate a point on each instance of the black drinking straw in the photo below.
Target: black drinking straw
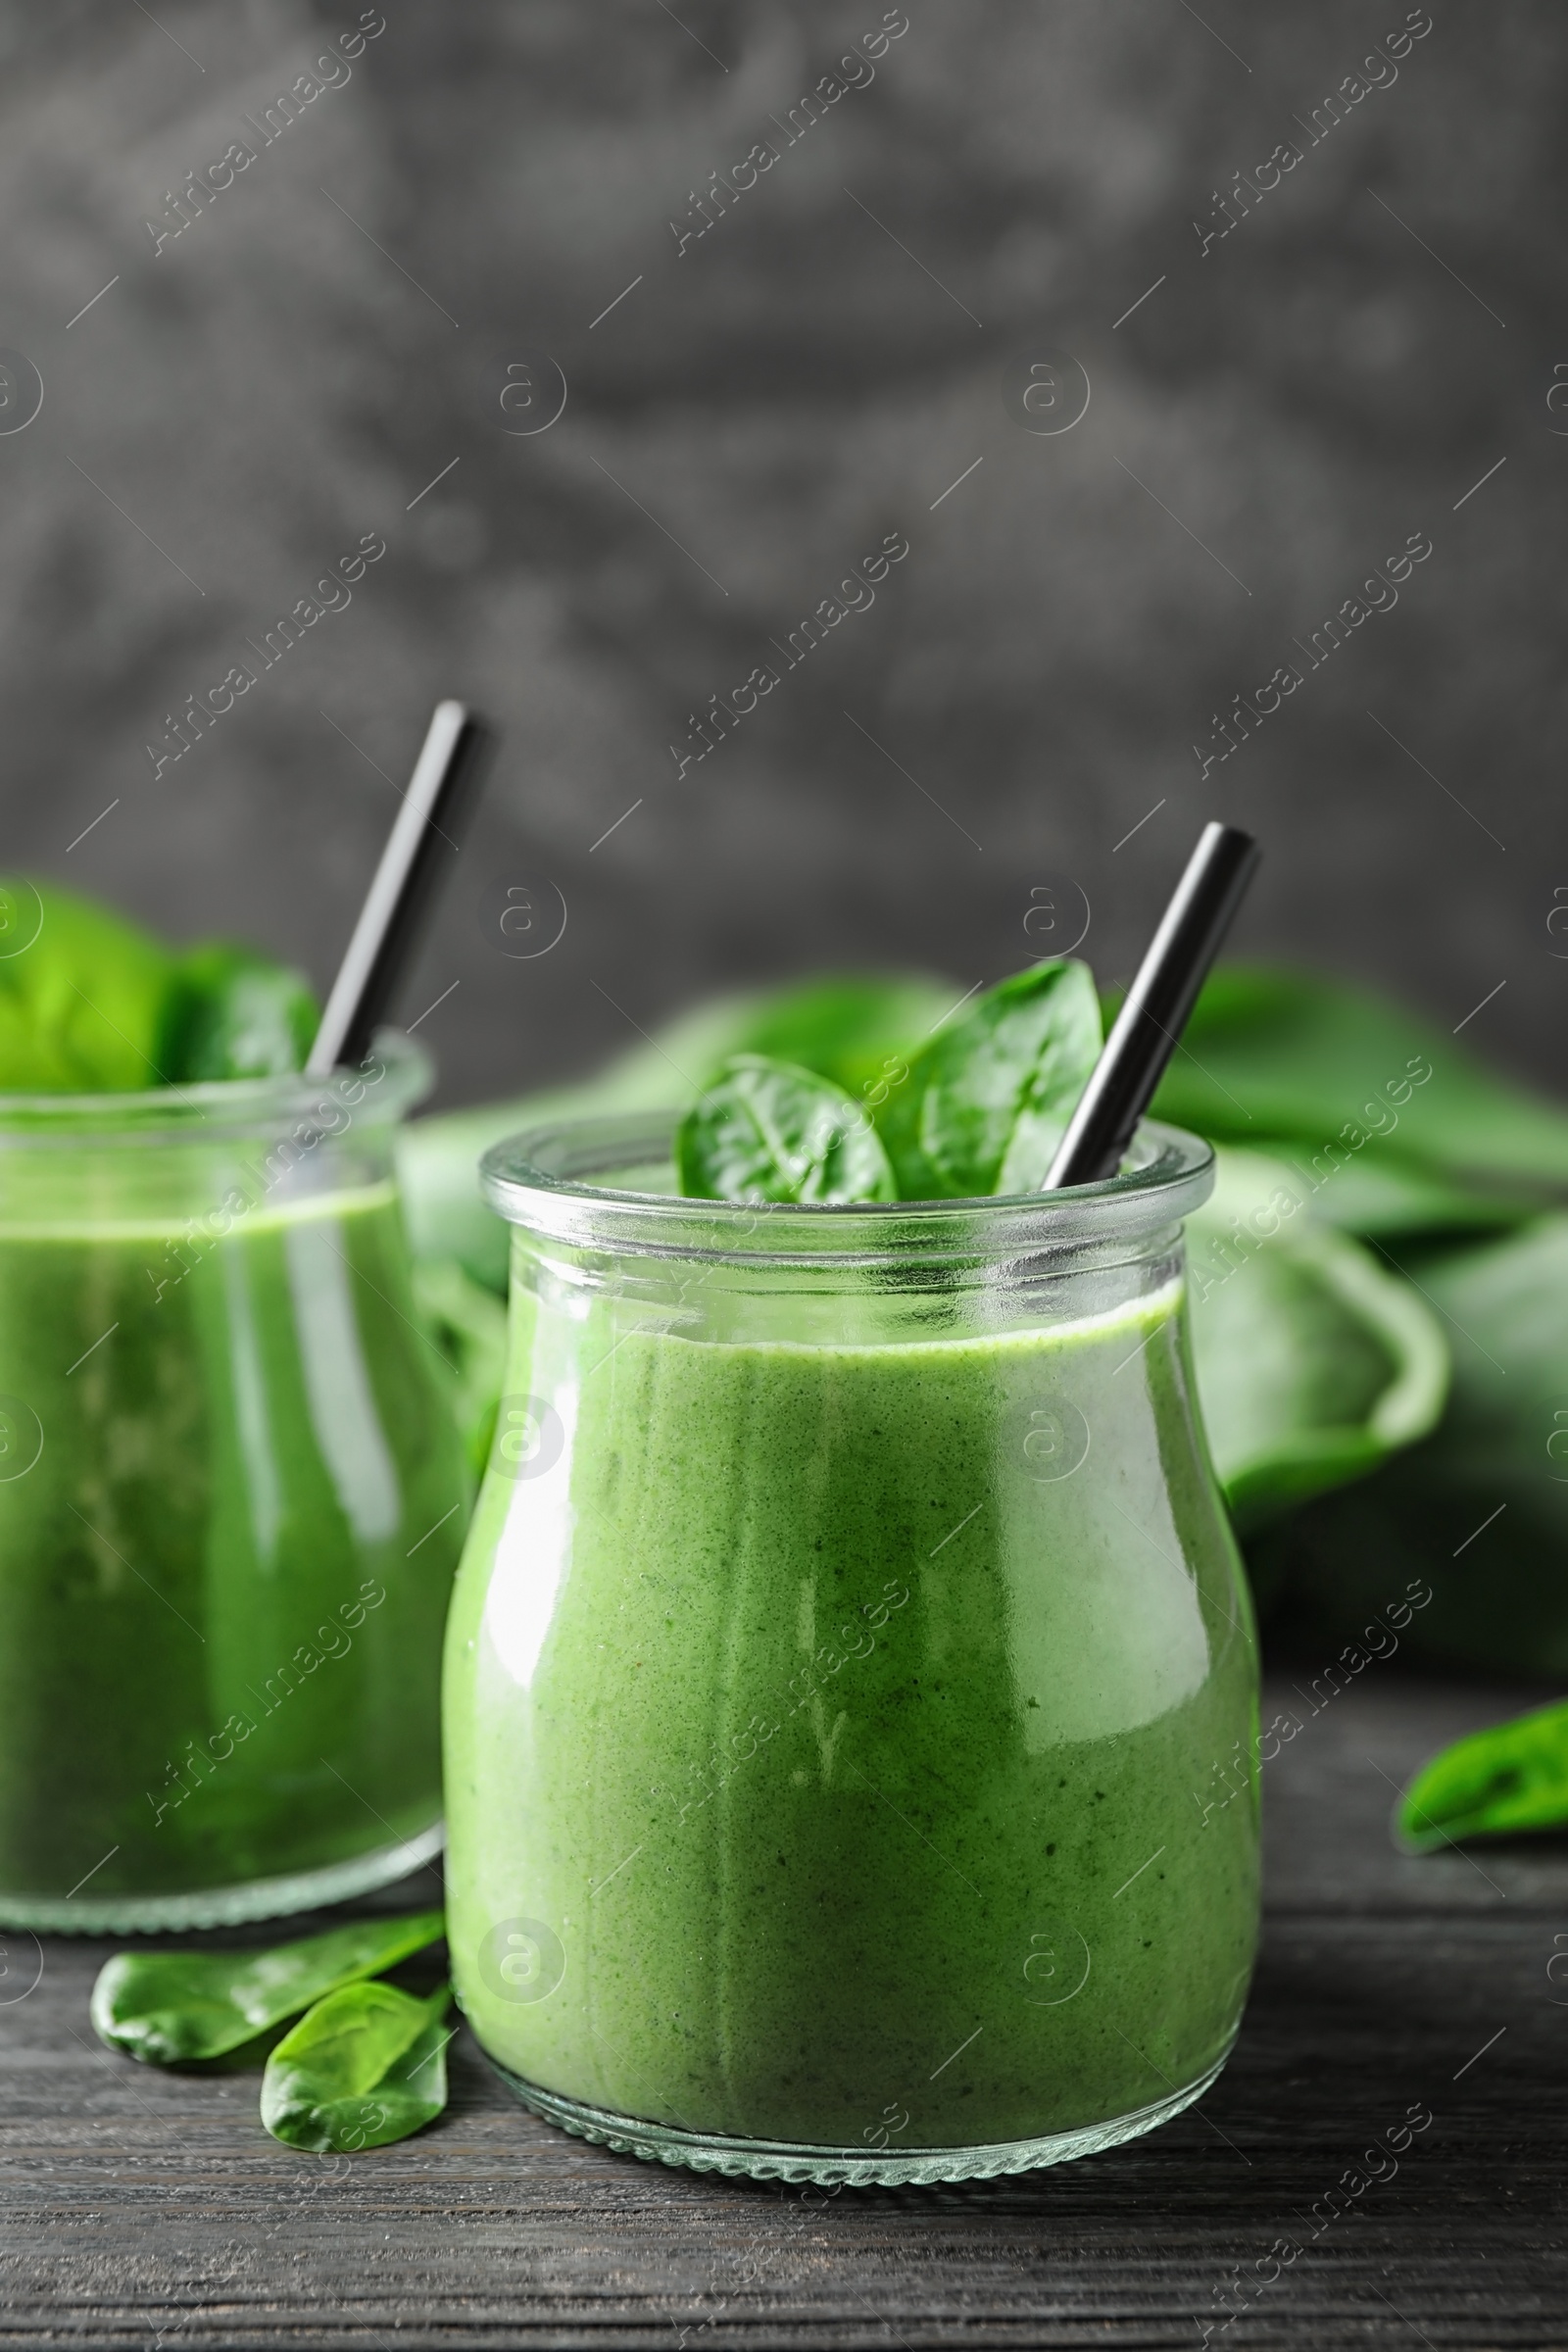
{"x": 1150, "y": 1022}
{"x": 439, "y": 797}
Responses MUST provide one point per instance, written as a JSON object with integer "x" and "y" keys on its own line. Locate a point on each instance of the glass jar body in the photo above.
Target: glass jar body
{"x": 850, "y": 1698}
{"x": 221, "y": 1433}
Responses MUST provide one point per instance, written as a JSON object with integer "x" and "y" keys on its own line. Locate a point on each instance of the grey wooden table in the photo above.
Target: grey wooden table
{"x": 144, "y": 2210}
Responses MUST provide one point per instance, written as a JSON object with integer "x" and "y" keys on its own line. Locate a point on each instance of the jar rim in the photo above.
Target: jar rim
{"x": 538, "y": 1180}
{"x": 219, "y": 1108}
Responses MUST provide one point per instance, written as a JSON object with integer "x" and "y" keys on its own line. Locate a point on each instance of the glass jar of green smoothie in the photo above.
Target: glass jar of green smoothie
{"x": 231, "y": 1497}
{"x": 851, "y": 1688}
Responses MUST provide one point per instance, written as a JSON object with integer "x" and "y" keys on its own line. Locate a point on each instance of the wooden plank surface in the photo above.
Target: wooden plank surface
{"x": 144, "y": 2210}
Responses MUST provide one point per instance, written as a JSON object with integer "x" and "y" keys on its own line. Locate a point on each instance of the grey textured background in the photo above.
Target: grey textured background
{"x": 1302, "y": 396}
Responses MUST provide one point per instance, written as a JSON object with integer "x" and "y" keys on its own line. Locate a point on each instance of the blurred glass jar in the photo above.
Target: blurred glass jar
{"x": 232, "y": 1499}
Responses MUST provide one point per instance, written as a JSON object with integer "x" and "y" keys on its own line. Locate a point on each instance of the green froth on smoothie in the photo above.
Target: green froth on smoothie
{"x": 966, "y": 1868}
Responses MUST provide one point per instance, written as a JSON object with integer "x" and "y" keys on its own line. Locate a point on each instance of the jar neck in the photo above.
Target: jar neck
{"x": 212, "y": 1156}
{"x": 395, "y": 1075}
{"x": 844, "y": 1305}
{"x": 846, "y": 1276}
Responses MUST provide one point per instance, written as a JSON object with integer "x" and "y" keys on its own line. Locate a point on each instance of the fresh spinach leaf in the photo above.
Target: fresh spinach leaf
{"x": 1279, "y": 1060}
{"x": 1385, "y": 1195}
{"x": 1513, "y": 1777}
{"x": 849, "y": 1030}
{"x": 987, "y": 1098}
{"x": 1313, "y": 1362}
{"x": 1477, "y": 1513}
{"x": 1274, "y": 1053}
{"x": 770, "y": 1131}
{"x": 365, "y": 2067}
{"x": 93, "y": 1004}
{"x": 232, "y": 1013}
{"x": 169, "y": 2008}
{"x": 81, "y": 994}
{"x": 852, "y": 1031}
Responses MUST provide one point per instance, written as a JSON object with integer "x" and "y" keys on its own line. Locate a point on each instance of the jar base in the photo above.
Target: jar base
{"x": 846, "y": 2168}
{"x": 223, "y": 1906}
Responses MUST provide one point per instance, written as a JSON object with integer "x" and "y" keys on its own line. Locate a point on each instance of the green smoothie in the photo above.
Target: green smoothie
{"x": 230, "y": 1496}
{"x": 832, "y": 1730}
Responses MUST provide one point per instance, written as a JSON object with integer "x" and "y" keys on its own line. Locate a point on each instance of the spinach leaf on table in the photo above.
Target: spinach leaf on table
{"x": 987, "y": 1098}
{"x": 1385, "y": 1195}
{"x": 1313, "y": 1362}
{"x": 1271, "y": 1053}
{"x": 1491, "y": 1785}
{"x": 1480, "y": 1509}
{"x": 171, "y": 2008}
{"x": 770, "y": 1131}
{"x": 365, "y": 2067}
